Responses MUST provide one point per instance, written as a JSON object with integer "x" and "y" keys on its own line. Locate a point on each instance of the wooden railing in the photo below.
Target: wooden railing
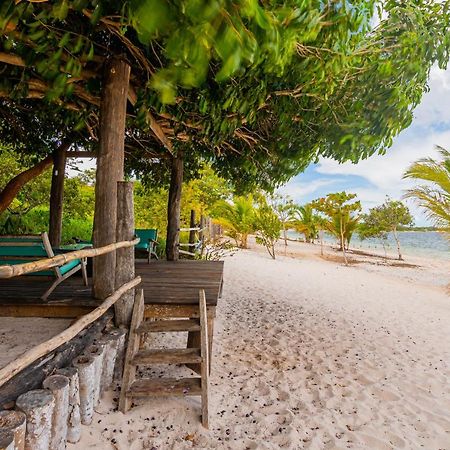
{"x": 32, "y": 355}
{"x": 10, "y": 271}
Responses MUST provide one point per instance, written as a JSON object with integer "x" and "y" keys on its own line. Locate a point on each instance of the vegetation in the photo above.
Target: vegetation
{"x": 268, "y": 227}
{"x": 434, "y": 196}
{"x": 342, "y": 216}
{"x": 307, "y": 222}
{"x": 385, "y": 218}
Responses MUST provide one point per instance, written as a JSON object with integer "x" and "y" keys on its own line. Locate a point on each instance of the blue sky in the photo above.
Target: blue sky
{"x": 381, "y": 175}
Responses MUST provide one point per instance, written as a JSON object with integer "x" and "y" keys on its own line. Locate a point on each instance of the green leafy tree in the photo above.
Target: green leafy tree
{"x": 385, "y": 218}
{"x": 307, "y": 222}
{"x": 284, "y": 208}
{"x": 342, "y": 216}
{"x": 268, "y": 227}
{"x": 238, "y": 218}
{"x": 434, "y": 196}
{"x": 257, "y": 89}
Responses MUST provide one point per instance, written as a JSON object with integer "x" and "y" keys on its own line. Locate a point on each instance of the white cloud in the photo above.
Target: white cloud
{"x": 299, "y": 189}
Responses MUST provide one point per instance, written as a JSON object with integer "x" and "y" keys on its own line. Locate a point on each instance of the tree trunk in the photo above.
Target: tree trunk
{"x": 110, "y": 164}
{"x": 174, "y": 209}
{"x": 125, "y": 267}
{"x": 400, "y": 257}
{"x": 14, "y": 186}
{"x": 57, "y": 196}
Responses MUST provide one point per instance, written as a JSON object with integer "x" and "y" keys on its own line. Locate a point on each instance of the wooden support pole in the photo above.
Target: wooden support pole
{"x": 125, "y": 265}
{"x": 111, "y": 342}
{"x": 202, "y": 234}
{"x": 96, "y": 352}
{"x": 14, "y": 422}
{"x": 73, "y": 417}
{"x": 174, "y": 208}
{"x": 57, "y": 196}
{"x": 192, "y": 233}
{"x": 110, "y": 164}
{"x": 58, "y": 385}
{"x": 121, "y": 335}
{"x": 86, "y": 375}
{"x": 38, "y": 406}
{"x": 6, "y": 440}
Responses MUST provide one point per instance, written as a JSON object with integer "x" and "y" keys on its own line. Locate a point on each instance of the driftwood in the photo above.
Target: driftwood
{"x": 86, "y": 375}
{"x": 58, "y": 385}
{"x": 38, "y": 406}
{"x": 6, "y": 440}
{"x": 42, "y": 349}
{"x": 74, "y": 419}
{"x": 33, "y": 376}
{"x": 59, "y": 260}
{"x": 14, "y": 422}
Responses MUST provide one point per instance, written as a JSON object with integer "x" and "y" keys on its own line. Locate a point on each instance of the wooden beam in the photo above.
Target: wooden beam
{"x": 110, "y": 167}
{"x": 57, "y": 197}
{"x": 174, "y": 208}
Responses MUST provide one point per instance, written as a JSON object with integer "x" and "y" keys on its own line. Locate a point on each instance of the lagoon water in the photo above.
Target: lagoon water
{"x": 415, "y": 243}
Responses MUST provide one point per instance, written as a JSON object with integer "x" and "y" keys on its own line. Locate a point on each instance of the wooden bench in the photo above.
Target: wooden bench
{"x": 23, "y": 249}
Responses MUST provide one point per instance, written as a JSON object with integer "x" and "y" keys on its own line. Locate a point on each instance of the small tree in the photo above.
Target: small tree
{"x": 268, "y": 228}
{"x": 342, "y": 216}
{"x": 306, "y": 222}
{"x": 385, "y": 218}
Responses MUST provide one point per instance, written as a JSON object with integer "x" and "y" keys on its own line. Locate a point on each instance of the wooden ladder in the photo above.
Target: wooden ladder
{"x": 161, "y": 387}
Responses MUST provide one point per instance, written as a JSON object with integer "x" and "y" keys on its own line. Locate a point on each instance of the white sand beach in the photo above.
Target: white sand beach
{"x": 310, "y": 354}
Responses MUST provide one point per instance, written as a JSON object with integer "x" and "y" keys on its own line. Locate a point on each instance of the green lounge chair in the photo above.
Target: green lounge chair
{"x": 148, "y": 241}
{"x": 23, "y": 249}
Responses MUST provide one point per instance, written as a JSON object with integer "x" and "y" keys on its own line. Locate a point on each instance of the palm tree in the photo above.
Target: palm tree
{"x": 306, "y": 222}
{"x": 434, "y": 197}
{"x": 238, "y": 218}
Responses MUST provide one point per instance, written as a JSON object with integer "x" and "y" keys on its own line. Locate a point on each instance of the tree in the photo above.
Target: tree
{"x": 284, "y": 208}
{"x": 433, "y": 197}
{"x": 342, "y": 216}
{"x": 238, "y": 217}
{"x": 385, "y": 218}
{"x": 306, "y": 222}
{"x": 268, "y": 227}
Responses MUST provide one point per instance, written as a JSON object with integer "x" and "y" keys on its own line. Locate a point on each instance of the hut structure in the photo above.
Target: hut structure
{"x": 47, "y": 392}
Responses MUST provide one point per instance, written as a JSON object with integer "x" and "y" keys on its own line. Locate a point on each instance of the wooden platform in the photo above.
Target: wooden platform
{"x": 164, "y": 283}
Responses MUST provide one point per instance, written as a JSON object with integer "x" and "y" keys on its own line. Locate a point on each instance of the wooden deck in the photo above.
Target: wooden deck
{"x": 164, "y": 283}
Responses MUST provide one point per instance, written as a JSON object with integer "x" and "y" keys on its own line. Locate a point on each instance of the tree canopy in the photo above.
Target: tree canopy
{"x": 258, "y": 90}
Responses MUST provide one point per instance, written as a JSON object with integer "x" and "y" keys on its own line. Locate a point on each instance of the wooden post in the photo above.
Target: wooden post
{"x": 202, "y": 234}
{"x": 174, "y": 208}
{"x": 73, "y": 419}
{"x": 192, "y": 233}
{"x": 86, "y": 374}
{"x": 14, "y": 422}
{"x": 58, "y": 385}
{"x": 121, "y": 335}
{"x": 97, "y": 352}
{"x": 125, "y": 266}
{"x": 57, "y": 196}
{"x": 38, "y": 407}
{"x": 6, "y": 440}
{"x": 110, "y": 163}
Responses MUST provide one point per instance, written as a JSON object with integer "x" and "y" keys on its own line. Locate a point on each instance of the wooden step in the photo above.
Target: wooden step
{"x": 169, "y": 326}
{"x": 162, "y": 387}
{"x": 168, "y": 356}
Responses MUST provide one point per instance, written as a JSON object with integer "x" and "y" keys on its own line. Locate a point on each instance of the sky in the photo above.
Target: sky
{"x": 381, "y": 175}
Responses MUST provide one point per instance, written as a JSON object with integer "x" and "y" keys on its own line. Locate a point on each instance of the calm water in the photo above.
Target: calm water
{"x": 414, "y": 243}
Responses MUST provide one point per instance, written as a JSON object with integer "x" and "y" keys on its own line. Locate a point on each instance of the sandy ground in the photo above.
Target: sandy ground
{"x": 310, "y": 354}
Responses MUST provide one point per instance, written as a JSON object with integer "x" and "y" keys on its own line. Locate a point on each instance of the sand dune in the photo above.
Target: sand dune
{"x": 310, "y": 354}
